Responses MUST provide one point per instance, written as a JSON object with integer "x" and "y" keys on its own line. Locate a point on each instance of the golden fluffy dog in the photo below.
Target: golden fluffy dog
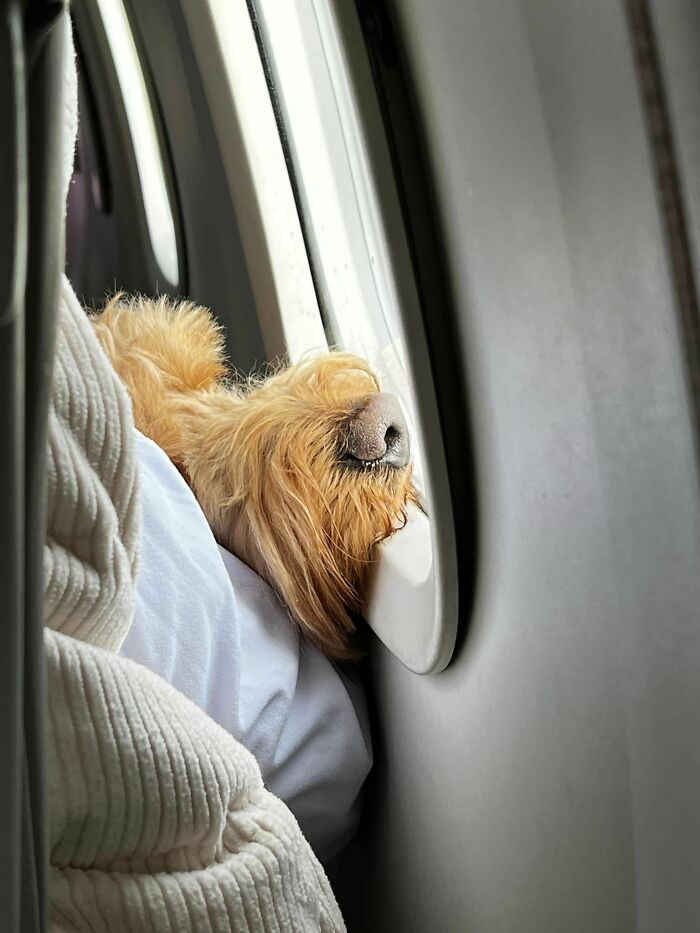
{"x": 300, "y": 475}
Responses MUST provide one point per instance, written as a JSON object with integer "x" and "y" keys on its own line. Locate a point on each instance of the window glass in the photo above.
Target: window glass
{"x": 338, "y": 196}
{"x": 121, "y": 224}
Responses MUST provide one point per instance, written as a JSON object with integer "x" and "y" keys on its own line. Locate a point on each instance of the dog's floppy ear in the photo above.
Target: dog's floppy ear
{"x": 179, "y": 341}
{"x": 298, "y": 555}
{"x": 161, "y": 351}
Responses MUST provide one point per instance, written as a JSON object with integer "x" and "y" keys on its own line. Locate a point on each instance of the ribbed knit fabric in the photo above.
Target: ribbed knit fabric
{"x": 92, "y": 540}
{"x": 158, "y": 818}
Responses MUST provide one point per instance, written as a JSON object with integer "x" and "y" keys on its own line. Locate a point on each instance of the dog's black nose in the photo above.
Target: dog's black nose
{"x": 377, "y": 433}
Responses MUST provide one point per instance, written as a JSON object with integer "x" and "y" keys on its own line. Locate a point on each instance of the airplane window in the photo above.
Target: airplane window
{"x": 121, "y": 229}
{"x": 329, "y": 116}
{"x": 143, "y": 133}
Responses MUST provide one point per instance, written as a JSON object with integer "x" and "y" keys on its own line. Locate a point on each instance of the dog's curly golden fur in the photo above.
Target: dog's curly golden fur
{"x": 264, "y": 458}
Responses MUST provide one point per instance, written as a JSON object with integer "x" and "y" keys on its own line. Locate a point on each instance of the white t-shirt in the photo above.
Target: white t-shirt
{"x": 214, "y": 629}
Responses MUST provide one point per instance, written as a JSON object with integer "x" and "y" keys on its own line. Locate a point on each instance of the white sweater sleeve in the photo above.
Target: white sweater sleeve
{"x": 158, "y": 817}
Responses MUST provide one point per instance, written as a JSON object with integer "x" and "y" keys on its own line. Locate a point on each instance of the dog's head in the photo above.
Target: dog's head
{"x": 301, "y": 475}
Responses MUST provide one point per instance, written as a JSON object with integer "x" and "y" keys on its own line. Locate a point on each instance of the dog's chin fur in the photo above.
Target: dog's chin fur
{"x": 263, "y": 459}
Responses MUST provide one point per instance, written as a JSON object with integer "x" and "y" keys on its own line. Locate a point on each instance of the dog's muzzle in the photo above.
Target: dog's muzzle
{"x": 377, "y": 434}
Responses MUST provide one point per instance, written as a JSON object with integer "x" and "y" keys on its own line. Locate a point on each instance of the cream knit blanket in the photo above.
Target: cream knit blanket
{"x": 158, "y": 818}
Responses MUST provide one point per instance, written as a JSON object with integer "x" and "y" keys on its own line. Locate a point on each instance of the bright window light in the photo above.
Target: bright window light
{"x": 254, "y": 161}
{"x": 344, "y": 229}
{"x": 159, "y": 217}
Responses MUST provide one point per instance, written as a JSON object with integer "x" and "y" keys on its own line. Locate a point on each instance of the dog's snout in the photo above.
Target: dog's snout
{"x": 377, "y": 433}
